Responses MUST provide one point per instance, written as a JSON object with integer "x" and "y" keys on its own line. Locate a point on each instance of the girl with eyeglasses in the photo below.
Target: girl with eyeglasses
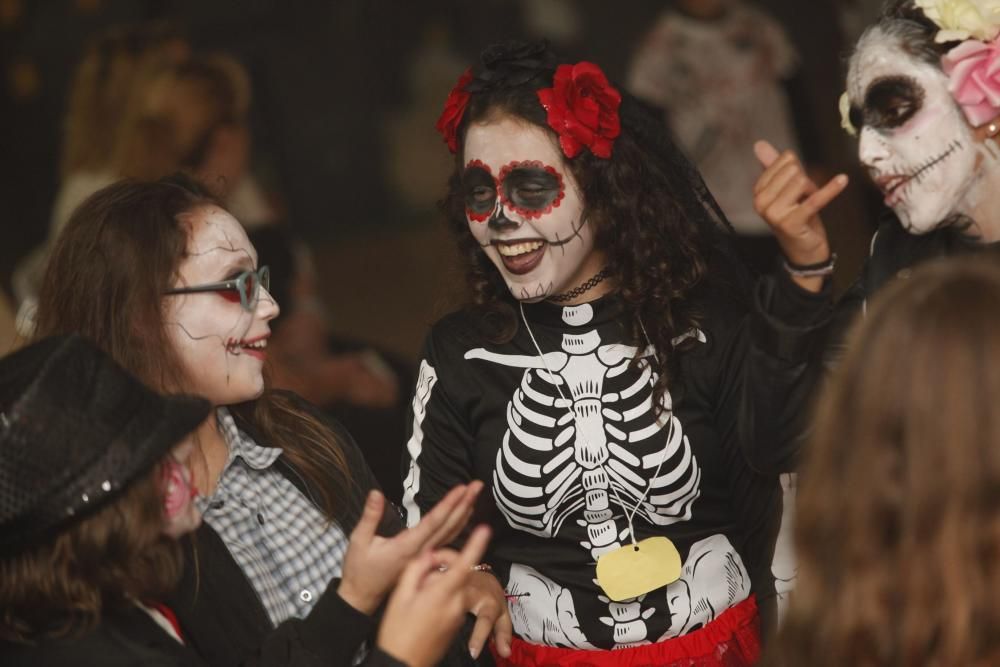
{"x": 163, "y": 278}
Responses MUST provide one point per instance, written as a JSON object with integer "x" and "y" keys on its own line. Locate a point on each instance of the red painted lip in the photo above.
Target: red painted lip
{"x": 522, "y": 264}
{"x": 890, "y": 185}
{"x": 256, "y": 353}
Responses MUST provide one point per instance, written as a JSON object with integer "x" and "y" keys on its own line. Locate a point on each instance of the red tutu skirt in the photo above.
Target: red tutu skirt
{"x": 731, "y": 640}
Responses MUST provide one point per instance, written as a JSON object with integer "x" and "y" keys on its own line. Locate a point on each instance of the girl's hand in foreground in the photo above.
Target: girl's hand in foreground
{"x": 428, "y": 606}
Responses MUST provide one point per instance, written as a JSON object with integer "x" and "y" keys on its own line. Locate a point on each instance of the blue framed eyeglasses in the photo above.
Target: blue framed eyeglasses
{"x": 247, "y": 285}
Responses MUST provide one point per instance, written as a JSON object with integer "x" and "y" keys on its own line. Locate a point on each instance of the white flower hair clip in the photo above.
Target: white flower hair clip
{"x": 963, "y": 19}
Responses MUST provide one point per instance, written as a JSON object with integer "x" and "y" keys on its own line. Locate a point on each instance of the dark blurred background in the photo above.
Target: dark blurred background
{"x": 345, "y": 95}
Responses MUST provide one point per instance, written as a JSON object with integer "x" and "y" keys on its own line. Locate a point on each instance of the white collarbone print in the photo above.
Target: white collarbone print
{"x": 583, "y": 444}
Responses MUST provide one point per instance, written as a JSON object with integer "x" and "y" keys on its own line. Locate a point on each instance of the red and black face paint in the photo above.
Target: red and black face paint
{"x": 480, "y": 191}
{"x": 530, "y": 188}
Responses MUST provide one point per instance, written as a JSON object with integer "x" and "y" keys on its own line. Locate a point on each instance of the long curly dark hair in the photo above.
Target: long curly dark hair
{"x": 653, "y": 216}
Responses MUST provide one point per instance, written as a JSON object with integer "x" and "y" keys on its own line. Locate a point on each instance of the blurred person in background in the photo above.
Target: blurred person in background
{"x": 346, "y": 378}
{"x": 114, "y": 68}
{"x": 717, "y": 68}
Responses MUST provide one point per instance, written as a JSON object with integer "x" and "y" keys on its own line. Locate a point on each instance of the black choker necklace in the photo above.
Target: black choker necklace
{"x": 585, "y": 287}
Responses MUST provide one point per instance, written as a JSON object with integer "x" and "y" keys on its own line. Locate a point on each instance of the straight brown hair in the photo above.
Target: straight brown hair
{"x": 105, "y": 280}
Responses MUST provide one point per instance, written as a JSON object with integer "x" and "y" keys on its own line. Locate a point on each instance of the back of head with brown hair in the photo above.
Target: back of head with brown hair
{"x": 898, "y": 515}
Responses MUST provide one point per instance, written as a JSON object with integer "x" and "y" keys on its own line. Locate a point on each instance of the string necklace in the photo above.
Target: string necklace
{"x": 649, "y": 483}
{"x": 581, "y": 289}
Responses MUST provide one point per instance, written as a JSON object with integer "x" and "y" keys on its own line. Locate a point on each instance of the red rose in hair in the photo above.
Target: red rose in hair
{"x": 454, "y": 107}
{"x": 583, "y": 109}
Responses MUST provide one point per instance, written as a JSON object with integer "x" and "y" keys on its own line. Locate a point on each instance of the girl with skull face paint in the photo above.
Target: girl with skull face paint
{"x": 604, "y": 379}
{"x": 290, "y": 563}
{"x": 920, "y": 98}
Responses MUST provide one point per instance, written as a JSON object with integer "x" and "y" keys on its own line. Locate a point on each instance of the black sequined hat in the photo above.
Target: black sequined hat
{"x": 75, "y": 429}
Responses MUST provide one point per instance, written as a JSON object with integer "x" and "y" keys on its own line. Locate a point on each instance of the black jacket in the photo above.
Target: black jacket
{"x": 224, "y": 619}
{"x": 125, "y": 638}
{"x": 894, "y": 254}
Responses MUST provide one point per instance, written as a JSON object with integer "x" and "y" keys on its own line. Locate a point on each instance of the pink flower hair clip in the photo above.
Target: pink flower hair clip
{"x": 973, "y": 69}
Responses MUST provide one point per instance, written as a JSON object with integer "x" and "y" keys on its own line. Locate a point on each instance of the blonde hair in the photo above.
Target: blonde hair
{"x": 114, "y": 66}
{"x": 168, "y": 126}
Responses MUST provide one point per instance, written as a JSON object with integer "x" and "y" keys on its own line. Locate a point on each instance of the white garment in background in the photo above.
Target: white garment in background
{"x": 720, "y": 83}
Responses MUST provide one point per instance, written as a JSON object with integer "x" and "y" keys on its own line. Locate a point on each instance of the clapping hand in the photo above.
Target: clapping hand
{"x": 373, "y": 563}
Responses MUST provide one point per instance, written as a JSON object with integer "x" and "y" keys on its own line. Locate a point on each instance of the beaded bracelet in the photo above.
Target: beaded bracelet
{"x": 817, "y": 270}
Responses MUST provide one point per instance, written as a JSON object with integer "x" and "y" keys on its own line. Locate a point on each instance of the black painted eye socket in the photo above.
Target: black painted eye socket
{"x": 531, "y": 188}
{"x": 892, "y": 101}
{"x": 856, "y": 117}
{"x": 480, "y": 190}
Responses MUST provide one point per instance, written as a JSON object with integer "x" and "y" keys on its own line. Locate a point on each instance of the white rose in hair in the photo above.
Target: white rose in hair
{"x": 963, "y": 19}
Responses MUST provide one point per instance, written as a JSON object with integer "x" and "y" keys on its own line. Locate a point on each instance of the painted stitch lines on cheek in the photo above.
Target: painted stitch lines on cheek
{"x": 212, "y": 319}
{"x": 906, "y": 143}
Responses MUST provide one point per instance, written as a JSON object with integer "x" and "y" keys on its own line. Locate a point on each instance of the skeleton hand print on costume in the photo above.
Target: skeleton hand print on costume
{"x": 712, "y": 580}
{"x": 525, "y": 209}
{"x": 914, "y": 141}
{"x": 583, "y": 442}
{"x": 220, "y": 344}
{"x": 557, "y": 624}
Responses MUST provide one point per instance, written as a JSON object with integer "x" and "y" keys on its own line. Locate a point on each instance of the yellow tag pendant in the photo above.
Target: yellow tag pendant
{"x": 631, "y": 571}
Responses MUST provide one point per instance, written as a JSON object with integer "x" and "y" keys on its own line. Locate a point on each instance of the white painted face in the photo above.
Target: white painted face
{"x": 914, "y": 141}
{"x": 525, "y": 209}
{"x": 221, "y": 345}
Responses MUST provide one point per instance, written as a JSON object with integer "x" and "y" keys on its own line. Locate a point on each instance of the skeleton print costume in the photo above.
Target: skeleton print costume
{"x": 563, "y": 431}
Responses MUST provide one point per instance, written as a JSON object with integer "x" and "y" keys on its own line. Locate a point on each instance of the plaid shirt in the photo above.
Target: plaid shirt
{"x": 281, "y": 540}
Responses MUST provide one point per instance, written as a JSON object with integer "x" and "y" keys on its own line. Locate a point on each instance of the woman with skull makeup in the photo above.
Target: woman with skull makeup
{"x": 921, "y": 99}
{"x": 165, "y": 280}
{"x": 604, "y": 379}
